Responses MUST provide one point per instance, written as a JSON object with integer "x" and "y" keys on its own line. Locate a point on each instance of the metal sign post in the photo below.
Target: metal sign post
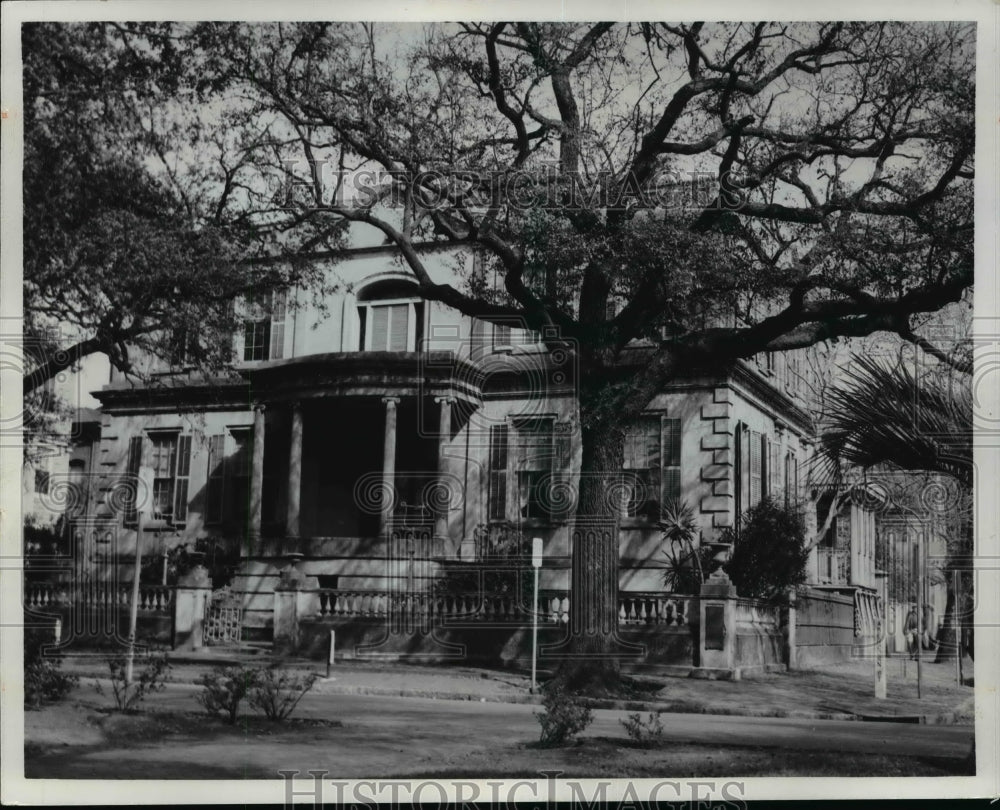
{"x": 920, "y": 609}
{"x": 955, "y": 587}
{"x": 536, "y": 564}
{"x": 329, "y": 657}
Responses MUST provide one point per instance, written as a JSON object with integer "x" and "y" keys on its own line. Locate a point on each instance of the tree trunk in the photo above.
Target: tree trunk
{"x": 593, "y": 663}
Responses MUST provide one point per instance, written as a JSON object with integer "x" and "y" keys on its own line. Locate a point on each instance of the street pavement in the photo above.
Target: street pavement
{"x": 843, "y": 691}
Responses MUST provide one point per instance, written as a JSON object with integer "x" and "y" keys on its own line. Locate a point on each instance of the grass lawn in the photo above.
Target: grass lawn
{"x": 82, "y": 740}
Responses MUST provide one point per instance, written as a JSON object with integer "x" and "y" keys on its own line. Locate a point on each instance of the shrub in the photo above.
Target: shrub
{"x": 224, "y": 689}
{"x": 277, "y": 693}
{"x": 769, "y": 556}
{"x": 44, "y": 682}
{"x": 564, "y": 717}
{"x": 151, "y": 678}
{"x": 645, "y": 733}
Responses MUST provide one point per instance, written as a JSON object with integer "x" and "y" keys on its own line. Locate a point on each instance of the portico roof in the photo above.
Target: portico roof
{"x": 338, "y": 374}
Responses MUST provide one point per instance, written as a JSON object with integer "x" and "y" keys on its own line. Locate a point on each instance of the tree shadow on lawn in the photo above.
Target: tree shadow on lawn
{"x": 124, "y": 731}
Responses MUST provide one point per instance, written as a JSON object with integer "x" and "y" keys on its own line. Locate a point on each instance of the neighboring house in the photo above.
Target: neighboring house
{"x": 913, "y": 553}
{"x": 466, "y": 424}
{"x": 57, "y": 473}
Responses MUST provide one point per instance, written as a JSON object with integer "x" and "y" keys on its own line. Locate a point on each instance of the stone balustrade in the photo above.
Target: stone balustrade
{"x": 152, "y": 598}
{"x": 634, "y": 608}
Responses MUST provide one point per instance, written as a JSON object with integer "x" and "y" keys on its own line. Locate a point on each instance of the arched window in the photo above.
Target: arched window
{"x": 390, "y": 316}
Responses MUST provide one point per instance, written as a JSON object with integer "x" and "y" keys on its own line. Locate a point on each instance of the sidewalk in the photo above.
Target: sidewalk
{"x": 837, "y": 692}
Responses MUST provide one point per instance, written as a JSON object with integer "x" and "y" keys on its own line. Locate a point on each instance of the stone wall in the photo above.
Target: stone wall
{"x": 473, "y": 643}
{"x": 824, "y": 628}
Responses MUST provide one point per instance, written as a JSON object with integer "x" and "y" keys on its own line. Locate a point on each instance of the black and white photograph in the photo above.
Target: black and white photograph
{"x": 438, "y": 408}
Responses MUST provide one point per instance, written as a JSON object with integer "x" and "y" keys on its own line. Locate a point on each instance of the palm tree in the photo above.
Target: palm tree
{"x": 884, "y": 416}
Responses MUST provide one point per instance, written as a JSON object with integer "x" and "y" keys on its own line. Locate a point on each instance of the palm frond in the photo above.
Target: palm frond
{"x": 884, "y": 415}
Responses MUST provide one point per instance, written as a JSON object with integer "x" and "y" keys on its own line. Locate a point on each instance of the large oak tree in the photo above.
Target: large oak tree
{"x": 716, "y": 190}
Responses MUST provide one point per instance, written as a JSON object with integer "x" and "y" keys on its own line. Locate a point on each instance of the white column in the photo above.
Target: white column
{"x": 388, "y": 464}
{"x": 294, "y": 472}
{"x": 257, "y": 473}
{"x": 444, "y": 437}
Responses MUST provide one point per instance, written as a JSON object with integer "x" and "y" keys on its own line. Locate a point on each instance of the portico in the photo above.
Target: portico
{"x": 344, "y": 448}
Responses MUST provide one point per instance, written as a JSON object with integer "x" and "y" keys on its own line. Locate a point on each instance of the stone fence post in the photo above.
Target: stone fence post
{"x": 294, "y": 599}
{"x": 190, "y": 604}
{"x": 792, "y": 641}
{"x": 717, "y": 634}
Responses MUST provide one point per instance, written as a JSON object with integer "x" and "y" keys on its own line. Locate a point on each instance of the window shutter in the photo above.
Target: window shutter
{"x": 132, "y": 479}
{"x": 380, "y": 329}
{"x": 183, "y": 475}
{"x": 215, "y": 479}
{"x": 756, "y": 464}
{"x": 773, "y": 469}
{"x": 561, "y": 505}
{"x": 497, "y": 495}
{"x": 276, "y": 349}
{"x": 738, "y": 473}
{"x": 670, "y": 456}
{"x": 398, "y": 327}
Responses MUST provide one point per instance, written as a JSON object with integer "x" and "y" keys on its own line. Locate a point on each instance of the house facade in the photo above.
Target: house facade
{"x": 382, "y": 437}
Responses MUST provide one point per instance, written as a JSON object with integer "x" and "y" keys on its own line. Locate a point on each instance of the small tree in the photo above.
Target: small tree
{"x": 151, "y": 678}
{"x": 769, "y": 555}
{"x": 685, "y": 563}
{"x": 564, "y": 717}
{"x": 224, "y": 689}
{"x": 277, "y": 693}
{"x": 44, "y": 682}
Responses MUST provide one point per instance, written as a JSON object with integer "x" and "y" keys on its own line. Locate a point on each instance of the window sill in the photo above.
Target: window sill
{"x": 157, "y": 526}
{"x": 637, "y": 523}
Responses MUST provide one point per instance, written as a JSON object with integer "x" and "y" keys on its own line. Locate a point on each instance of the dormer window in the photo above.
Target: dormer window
{"x": 391, "y": 317}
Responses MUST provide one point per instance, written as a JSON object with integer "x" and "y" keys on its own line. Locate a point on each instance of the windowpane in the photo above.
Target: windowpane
{"x": 277, "y": 327}
{"x": 534, "y": 467}
{"x": 398, "y": 327}
{"x": 535, "y": 445}
{"x": 163, "y": 455}
{"x": 501, "y": 335}
{"x": 163, "y": 498}
{"x": 380, "y": 329}
{"x": 256, "y": 339}
{"x": 642, "y": 445}
{"x": 497, "y": 495}
{"x": 237, "y": 476}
